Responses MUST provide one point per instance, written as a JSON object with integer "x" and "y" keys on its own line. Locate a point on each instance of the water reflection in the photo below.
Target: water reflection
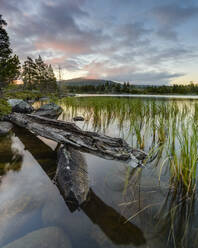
{"x": 25, "y": 211}
{"x": 168, "y": 129}
{"x": 114, "y": 225}
{"x": 45, "y": 156}
{"x": 9, "y": 159}
{"x": 176, "y": 217}
{"x": 163, "y": 215}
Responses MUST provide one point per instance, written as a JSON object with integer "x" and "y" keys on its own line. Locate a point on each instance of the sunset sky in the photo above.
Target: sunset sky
{"x": 144, "y": 41}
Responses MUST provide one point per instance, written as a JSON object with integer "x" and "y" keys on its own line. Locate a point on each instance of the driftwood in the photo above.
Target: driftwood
{"x": 72, "y": 177}
{"x": 72, "y": 180}
{"x": 68, "y": 133}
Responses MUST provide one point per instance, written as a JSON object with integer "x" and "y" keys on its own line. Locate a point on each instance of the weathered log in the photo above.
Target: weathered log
{"x": 72, "y": 181}
{"x": 68, "y": 133}
{"x": 71, "y": 177}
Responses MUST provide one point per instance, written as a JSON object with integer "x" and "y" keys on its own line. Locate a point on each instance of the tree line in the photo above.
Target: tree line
{"x": 36, "y": 74}
{"x": 127, "y": 88}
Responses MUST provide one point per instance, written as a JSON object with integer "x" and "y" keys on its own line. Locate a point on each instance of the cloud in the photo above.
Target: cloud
{"x": 104, "y": 69}
{"x": 172, "y": 55}
{"x": 110, "y": 39}
{"x": 169, "y": 17}
{"x": 154, "y": 77}
{"x": 131, "y": 73}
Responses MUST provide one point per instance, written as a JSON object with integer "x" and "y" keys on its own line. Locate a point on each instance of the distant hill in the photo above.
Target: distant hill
{"x": 84, "y": 81}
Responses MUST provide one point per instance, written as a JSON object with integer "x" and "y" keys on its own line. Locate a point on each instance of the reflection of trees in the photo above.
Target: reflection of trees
{"x": 45, "y": 156}
{"x": 9, "y": 160}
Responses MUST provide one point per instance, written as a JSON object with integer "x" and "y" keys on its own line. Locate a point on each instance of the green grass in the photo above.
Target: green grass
{"x": 147, "y": 124}
{"x": 168, "y": 130}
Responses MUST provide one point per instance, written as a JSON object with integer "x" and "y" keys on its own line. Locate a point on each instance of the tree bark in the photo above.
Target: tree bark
{"x": 72, "y": 177}
{"x": 68, "y": 133}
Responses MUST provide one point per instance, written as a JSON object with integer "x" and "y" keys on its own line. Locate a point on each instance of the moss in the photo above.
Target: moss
{"x": 5, "y": 108}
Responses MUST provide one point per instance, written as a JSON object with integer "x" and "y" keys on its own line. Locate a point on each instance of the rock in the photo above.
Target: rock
{"x": 50, "y": 237}
{"x": 14, "y": 102}
{"x": 20, "y": 106}
{"x": 5, "y": 127}
{"x": 78, "y": 118}
{"x": 50, "y": 110}
{"x": 23, "y": 107}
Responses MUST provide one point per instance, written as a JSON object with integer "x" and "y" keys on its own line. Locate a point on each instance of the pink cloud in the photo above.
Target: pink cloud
{"x": 103, "y": 70}
{"x": 56, "y": 60}
{"x": 68, "y": 47}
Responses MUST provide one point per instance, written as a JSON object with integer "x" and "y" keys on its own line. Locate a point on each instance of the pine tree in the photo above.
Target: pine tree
{"x": 9, "y": 65}
{"x": 51, "y": 81}
{"x": 5, "y": 50}
{"x": 41, "y": 69}
{"x": 36, "y": 74}
{"x": 29, "y": 73}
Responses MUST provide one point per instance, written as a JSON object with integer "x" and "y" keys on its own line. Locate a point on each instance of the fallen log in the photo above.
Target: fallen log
{"x": 72, "y": 177}
{"x": 68, "y": 133}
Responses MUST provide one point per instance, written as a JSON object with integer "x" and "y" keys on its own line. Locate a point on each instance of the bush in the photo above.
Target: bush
{"x": 5, "y": 108}
{"x": 24, "y": 95}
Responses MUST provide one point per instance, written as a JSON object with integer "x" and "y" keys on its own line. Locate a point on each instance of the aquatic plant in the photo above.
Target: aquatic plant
{"x": 168, "y": 131}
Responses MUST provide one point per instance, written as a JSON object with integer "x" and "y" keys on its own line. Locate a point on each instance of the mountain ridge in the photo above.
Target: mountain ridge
{"x": 84, "y": 82}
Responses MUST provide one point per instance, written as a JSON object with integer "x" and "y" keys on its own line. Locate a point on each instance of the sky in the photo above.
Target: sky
{"x": 143, "y": 42}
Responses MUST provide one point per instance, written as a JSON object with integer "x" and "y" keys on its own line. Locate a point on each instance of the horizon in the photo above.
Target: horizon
{"x": 140, "y": 42}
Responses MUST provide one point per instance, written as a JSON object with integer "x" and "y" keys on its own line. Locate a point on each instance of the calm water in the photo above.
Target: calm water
{"x": 32, "y": 208}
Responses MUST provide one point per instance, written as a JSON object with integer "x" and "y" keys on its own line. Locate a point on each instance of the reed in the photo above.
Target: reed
{"x": 168, "y": 131}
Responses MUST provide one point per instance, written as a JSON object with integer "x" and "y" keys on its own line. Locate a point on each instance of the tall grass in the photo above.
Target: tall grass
{"x": 168, "y": 131}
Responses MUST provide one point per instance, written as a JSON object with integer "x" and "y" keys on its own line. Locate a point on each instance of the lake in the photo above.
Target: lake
{"x": 154, "y": 205}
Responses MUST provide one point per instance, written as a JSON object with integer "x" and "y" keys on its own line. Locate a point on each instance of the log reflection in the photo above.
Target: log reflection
{"x": 111, "y": 222}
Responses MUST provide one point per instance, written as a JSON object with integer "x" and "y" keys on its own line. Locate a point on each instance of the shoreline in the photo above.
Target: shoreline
{"x": 193, "y": 97}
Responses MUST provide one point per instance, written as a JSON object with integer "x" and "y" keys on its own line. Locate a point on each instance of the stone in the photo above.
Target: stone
{"x": 5, "y": 127}
{"x": 78, "y": 118}
{"x": 50, "y": 110}
{"x": 20, "y": 106}
{"x": 49, "y": 237}
{"x": 14, "y": 102}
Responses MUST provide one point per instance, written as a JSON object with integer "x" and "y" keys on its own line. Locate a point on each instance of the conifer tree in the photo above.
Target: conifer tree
{"x": 41, "y": 72}
{"x": 9, "y": 65}
{"x": 37, "y": 74}
{"x": 29, "y": 73}
{"x": 51, "y": 82}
